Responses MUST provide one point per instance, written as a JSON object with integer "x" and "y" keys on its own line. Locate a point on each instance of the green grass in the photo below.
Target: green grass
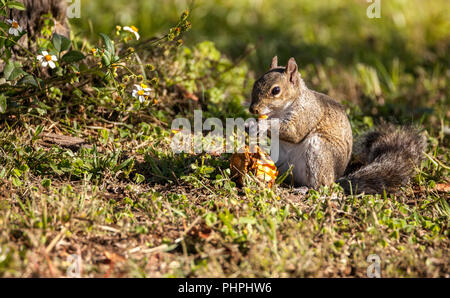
{"x": 131, "y": 208}
{"x": 248, "y": 232}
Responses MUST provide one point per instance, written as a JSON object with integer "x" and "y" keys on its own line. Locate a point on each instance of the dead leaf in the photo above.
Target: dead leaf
{"x": 113, "y": 257}
{"x": 442, "y": 187}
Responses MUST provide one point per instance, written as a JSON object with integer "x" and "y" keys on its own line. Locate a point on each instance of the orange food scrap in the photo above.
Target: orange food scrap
{"x": 259, "y": 164}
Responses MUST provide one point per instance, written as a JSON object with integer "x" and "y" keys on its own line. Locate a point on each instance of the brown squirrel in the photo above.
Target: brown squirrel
{"x": 315, "y": 137}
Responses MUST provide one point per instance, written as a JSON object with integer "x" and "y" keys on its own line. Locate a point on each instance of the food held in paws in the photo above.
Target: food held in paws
{"x": 258, "y": 163}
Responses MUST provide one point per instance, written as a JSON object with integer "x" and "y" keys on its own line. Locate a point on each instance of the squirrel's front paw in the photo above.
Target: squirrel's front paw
{"x": 263, "y": 125}
{"x": 257, "y": 127}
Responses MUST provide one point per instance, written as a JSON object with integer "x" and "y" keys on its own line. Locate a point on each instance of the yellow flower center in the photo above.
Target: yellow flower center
{"x": 135, "y": 29}
{"x": 48, "y": 58}
{"x": 141, "y": 92}
{"x": 15, "y": 25}
{"x": 144, "y": 86}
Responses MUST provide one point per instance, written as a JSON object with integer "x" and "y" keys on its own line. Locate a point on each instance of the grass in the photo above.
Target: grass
{"x": 187, "y": 221}
{"x": 129, "y": 207}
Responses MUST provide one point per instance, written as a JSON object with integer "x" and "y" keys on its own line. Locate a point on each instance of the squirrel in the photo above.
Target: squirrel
{"x": 315, "y": 138}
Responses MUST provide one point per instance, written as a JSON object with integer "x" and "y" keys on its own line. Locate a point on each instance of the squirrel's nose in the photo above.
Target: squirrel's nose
{"x": 253, "y": 109}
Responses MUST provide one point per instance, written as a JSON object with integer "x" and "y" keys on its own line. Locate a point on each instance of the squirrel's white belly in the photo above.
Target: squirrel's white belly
{"x": 297, "y": 156}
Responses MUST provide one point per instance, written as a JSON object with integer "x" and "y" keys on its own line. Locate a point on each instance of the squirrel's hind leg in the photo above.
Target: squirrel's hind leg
{"x": 320, "y": 169}
{"x": 314, "y": 163}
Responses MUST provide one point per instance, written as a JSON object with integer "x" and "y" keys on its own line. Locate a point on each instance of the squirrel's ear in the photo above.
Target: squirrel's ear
{"x": 292, "y": 70}
{"x": 274, "y": 63}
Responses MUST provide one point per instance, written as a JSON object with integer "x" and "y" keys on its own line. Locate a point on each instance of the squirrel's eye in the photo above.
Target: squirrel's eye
{"x": 276, "y": 90}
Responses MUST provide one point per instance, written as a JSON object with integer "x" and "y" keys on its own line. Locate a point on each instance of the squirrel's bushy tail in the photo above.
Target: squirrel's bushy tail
{"x": 389, "y": 155}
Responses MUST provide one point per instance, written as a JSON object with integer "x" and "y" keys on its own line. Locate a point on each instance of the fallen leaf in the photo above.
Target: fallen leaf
{"x": 443, "y": 187}
{"x": 113, "y": 257}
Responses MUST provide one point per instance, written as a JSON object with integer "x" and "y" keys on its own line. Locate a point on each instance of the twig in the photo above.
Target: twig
{"x": 110, "y": 229}
{"x": 55, "y": 241}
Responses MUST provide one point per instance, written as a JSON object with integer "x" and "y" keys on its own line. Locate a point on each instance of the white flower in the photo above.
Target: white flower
{"x": 47, "y": 60}
{"x": 133, "y": 30}
{"x": 15, "y": 28}
{"x": 141, "y": 92}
